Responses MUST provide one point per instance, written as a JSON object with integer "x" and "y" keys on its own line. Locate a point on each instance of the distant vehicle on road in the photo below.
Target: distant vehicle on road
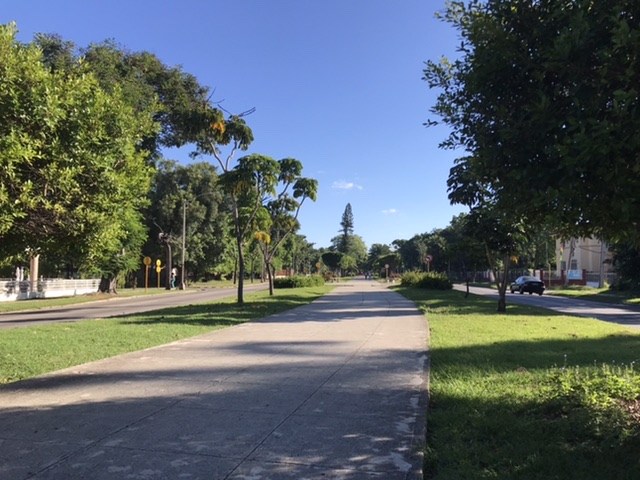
{"x": 527, "y": 284}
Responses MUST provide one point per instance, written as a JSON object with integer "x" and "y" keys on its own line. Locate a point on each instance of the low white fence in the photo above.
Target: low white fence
{"x": 46, "y": 288}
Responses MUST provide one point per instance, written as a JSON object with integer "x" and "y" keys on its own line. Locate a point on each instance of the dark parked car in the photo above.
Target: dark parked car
{"x": 528, "y": 284}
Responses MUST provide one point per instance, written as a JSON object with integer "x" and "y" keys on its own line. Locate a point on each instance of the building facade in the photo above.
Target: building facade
{"x": 587, "y": 261}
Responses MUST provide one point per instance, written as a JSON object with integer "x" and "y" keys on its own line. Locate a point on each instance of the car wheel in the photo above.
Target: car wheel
{"x": 530, "y": 293}
{"x": 521, "y": 291}
{"x": 540, "y": 294}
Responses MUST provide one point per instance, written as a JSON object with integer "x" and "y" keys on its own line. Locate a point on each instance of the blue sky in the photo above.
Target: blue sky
{"x": 335, "y": 83}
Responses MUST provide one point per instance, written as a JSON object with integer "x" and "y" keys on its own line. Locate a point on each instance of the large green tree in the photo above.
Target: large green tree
{"x": 186, "y": 199}
{"x": 282, "y": 207}
{"x": 544, "y": 99}
{"x": 376, "y": 251}
{"x": 222, "y": 139}
{"x": 253, "y": 178}
{"x": 355, "y": 248}
{"x": 72, "y": 175}
{"x": 298, "y": 254}
{"x": 503, "y": 239}
{"x": 465, "y": 253}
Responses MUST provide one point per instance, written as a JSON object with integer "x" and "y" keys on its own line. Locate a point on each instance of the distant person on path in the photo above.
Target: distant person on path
{"x": 174, "y": 274}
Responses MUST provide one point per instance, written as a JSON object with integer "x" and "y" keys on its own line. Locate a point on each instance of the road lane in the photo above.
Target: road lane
{"x": 621, "y": 314}
{"x": 118, "y": 306}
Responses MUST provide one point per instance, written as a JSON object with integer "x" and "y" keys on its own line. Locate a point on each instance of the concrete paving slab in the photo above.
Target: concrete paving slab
{"x": 359, "y": 442}
{"x": 224, "y": 433}
{"x": 335, "y": 389}
{"x": 270, "y": 398}
{"x": 287, "y": 471}
{"x": 116, "y": 463}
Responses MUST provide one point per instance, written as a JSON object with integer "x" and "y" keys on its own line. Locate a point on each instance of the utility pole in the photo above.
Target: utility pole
{"x": 183, "y": 286}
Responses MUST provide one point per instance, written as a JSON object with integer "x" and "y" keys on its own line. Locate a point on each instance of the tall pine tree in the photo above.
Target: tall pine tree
{"x": 347, "y": 229}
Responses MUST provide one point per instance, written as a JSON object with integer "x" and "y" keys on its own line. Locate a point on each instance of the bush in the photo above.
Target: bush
{"x": 427, "y": 280}
{"x": 600, "y": 402}
{"x": 298, "y": 281}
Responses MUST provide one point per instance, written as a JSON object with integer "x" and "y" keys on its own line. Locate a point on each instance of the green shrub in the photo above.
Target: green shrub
{"x": 299, "y": 281}
{"x": 426, "y": 280}
{"x": 601, "y": 402}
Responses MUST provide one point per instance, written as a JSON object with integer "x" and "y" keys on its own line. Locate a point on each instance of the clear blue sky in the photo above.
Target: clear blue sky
{"x": 335, "y": 83}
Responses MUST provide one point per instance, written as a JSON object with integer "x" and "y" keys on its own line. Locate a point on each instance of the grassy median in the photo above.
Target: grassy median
{"x": 529, "y": 394}
{"x": 29, "y": 351}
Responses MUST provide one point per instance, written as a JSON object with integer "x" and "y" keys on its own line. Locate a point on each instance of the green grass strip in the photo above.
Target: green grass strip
{"x": 42, "y": 303}
{"x": 30, "y": 351}
{"x": 497, "y": 409}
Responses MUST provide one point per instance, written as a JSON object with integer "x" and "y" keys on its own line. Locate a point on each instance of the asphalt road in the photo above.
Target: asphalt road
{"x": 118, "y": 306}
{"x": 623, "y": 315}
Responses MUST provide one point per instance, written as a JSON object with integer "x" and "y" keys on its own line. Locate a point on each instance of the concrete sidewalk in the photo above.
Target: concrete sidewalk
{"x": 332, "y": 390}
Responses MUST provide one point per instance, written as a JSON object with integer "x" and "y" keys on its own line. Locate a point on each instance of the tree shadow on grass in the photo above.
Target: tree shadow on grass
{"x": 454, "y": 302}
{"x": 475, "y": 439}
{"x": 212, "y": 314}
{"x": 489, "y": 415}
{"x": 522, "y": 356}
{"x": 217, "y": 314}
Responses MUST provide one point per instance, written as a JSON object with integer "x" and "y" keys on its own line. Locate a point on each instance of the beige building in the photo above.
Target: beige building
{"x": 586, "y": 259}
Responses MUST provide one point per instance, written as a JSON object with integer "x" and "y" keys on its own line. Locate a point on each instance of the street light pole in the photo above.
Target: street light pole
{"x": 183, "y": 286}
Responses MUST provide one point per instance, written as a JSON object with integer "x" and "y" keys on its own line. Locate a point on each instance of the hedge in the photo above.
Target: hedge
{"x": 427, "y": 280}
{"x": 298, "y": 281}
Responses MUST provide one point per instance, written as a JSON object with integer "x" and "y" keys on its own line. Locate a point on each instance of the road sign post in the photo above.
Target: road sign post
{"x": 147, "y": 263}
{"x": 158, "y": 270}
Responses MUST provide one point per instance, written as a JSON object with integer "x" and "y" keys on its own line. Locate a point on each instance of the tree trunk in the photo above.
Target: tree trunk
{"x": 270, "y": 274}
{"x": 502, "y": 285}
{"x": 240, "y": 271}
{"x": 108, "y": 285}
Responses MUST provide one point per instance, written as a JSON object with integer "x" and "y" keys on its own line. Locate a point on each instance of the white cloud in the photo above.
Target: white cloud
{"x": 342, "y": 185}
{"x": 390, "y": 211}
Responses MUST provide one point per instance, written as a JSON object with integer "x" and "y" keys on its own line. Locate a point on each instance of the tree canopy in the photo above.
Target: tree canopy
{"x": 70, "y": 158}
{"x": 179, "y": 104}
{"x": 544, "y": 99}
{"x": 283, "y": 207}
{"x": 189, "y": 194}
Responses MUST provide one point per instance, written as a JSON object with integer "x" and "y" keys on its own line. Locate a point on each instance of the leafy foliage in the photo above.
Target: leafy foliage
{"x": 70, "y": 158}
{"x": 177, "y": 101}
{"x": 266, "y": 197}
{"x": 626, "y": 261}
{"x": 426, "y": 280}
{"x": 332, "y": 260}
{"x": 604, "y": 399}
{"x": 188, "y": 193}
{"x": 545, "y": 94}
{"x": 355, "y": 248}
{"x": 299, "y": 281}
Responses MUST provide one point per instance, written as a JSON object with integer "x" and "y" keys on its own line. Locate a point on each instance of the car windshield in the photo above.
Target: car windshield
{"x": 529, "y": 279}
